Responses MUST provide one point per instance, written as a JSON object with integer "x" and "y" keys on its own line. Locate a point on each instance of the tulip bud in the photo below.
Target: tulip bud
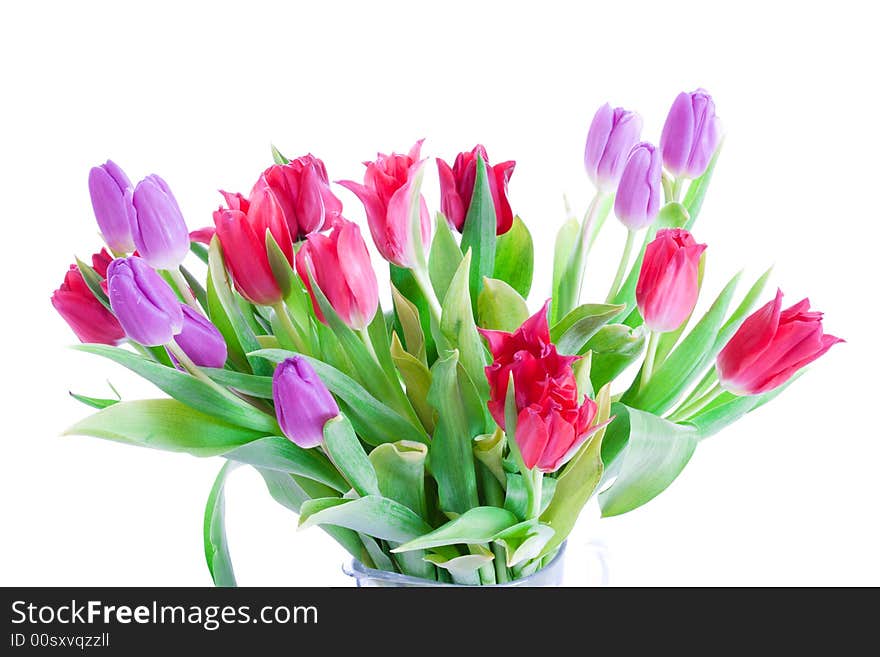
{"x": 200, "y": 339}
{"x": 668, "y": 284}
{"x": 457, "y": 188}
{"x": 387, "y": 195}
{"x": 144, "y": 304}
{"x": 79, "y": 307}
{"x": 112, "y": 193}
{"x": 160, "y": 233}
{"x": 612, "y": 135}
{"x": 302, "y": 402}
{"x": 638, "y": 195}
{"x": 690, "y": 135}
{"x": 340, "y": 265}
{"x": 771, "y": 346}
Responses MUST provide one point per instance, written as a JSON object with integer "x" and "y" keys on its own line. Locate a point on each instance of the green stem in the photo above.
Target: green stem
{"x": 584, "y": 242}
{"x": 192, "y": 368}
{"x": 537, "y": 483}
{"x": 368, "y": 342}
{"x": 677, "y": 187}
{"x": 184, "y": 291}
{"x": 424, "y": 282}
{"x": 695, "y": 407}
{"x": 650, "y": 356}
{"x": 667, "y": 187}
{"x": 291, "y": 330}
{"x": 621, "y": 268}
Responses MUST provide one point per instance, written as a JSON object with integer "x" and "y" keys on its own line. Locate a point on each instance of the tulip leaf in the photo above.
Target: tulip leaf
{"x": 573, "y": 331}
{"x": 404, "y": 282}
{"x": 279, "y": 453}
{"x": 478, "y": 525}
{"x": 196, "y": 286}
{"x": 614, "y": 347}
{"x": 188, "y": 389}
{"x": 739, "y": 315}
{"x": 478, "y": 233}
{"x": 277, "y": 157}
{"x": 578, "y": 480}
{"x": 445, "y": 257}
{"x": 400, "y": 470}
{"x": 410, "y": 323}
{"x": 95, "y": 402}
{"x": 374, "y": 422}
{"x": 500, "y": 307}
{"x": 216, "y": 548}
{"x": 465, "y": 568}
{"x": 93, "y": 281}
{"x": 489, "y": 450}
{"x": 515, "y": 258}
{"x": 564, "y": 288}
{"x": 693, "y": 200}
{"x": 459, "y": 419}
{"x": 378, "y": 335}
{"x": 646, "y": 454}
{"x": 686, "y": 362}
{"x": 525, "y": 541}
{"x": 346, "y": 452}
{"x": 200, "y": 251}
{"x": 164, "y": 424}
{"x": 516, "y": 498}
{"x": 417, "y": 379}
{"x": 373, "y": 515}
{"x": 459, "y": 330}
{"x": 249, "y": 384}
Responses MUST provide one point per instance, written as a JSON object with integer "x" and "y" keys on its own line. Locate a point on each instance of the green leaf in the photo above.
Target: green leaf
{"x": 693, "y": 200}
{"x": 500, "y": 307}
{"x": 417, "y": 378}
{"x": 400, "y": 469}
{"x": 515, "y": 258}
{"x": 578, "y": 480}
{"x": 93, "y": 281}
{"x": 465, "y": 568}
{"x": 444, "y": 258}
{"x": 346, "y": 452}
{"x": 516, "y": 499}
{"x": 478, "y": 525}
{"x": 249, "y": 384}
{"x": 489, "y": 450}
{"x": 730, "y": 408}
{"x": 188, "y": 389}
{"x": 216, "y": 548}
{"x": 478, "y": 234}
{"x": 652, "y": 456}
{"x": 564, "y": 288}
{"x": 277, "y": 157}
{"x": 739, "y": 315}
{"x": 613, "y": 348}
{"x": 525, "y": 541}
{"x": 279, "y": 453}
{"x": 405, "y": 283}
{"x": 164, "y": 424}
{"x": 573, "y": 331}
{"x": 687, "y": 362}
{"x": 375, "y": 516}
{"x": 94, "y": 402}
{"x": 374, "y": 422}
{"x": 200, "y": 251}
{"x": 460, "y": 417}
{"x": 196, "y": 286}
{"x": 410, "y": 323}
{"x": 459, "y": 330}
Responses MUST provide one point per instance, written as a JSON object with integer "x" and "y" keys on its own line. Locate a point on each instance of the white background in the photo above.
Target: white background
{"x": 197, "y": 93}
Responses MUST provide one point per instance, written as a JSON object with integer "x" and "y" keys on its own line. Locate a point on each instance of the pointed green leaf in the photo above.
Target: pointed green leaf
{"x": 278, "y": 157}
{"x": 375, "y": 516}
{"x": 214, "y": 532}
{"x": 410, "y": 323}
{"x": 465, "y": 568}
{"x": 93, "y": 281}
{"x": 564, "y": 288}
{"x": 417, "y": 379}
{"x": 478, "y": 525}
{"x": 515, "y": 258}
{"x": 696, "y": 192}
{"x": 573, "y": 331}
{"x": 279, "y": 453}
{"x": 444, "y": 258}
{"x": 478, "y": 234}
{"x": 346, "y": 452}
{"x": 500, "y": 307}
{"x": 400, "y": 469}
{"x": 614, "y": 348}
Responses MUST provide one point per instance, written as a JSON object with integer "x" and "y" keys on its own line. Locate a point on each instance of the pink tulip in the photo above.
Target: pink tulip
{"x": 340, "y": 265}
{"x": 770, "y": 346}
{"x": 457, "y": 188}
{"x": 387, "y": 195}
{"x": 668, "y": 284}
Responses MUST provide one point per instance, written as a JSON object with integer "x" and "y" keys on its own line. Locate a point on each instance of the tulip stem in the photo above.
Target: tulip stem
{"x": 424, "y": 283}
{"x": 368, "y": 342}
{"x": 696, "y": 406}
{"x": 621, "y": 268}
{"x": 676, "y": 188}
{"x": 184, "y": 291}
{"x": 668, "y": 194}
{"x": 582, "y": 246}
{"x": 191, "y": 367}
{"x": 650, "y": 357}
{"x": 291, "y": 331}
{"x": 535, "y": 490}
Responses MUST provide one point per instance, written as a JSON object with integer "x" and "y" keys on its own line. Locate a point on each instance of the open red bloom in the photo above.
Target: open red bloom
{"x": 457, "y": 188}
{"x": 551, "y": 425}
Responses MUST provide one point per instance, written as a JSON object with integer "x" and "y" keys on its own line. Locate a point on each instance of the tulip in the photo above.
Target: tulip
{"x": 200, "y": 339}
{"x": 75, "y": 302}
{"x": 457, "y": 188}
{"x": 770, "y": 346}
{"x": 340, "y": 265}
{"x": 640, "y": 189}
{"x": 612, "y": 135}
{"x": 143, "y": 302}
{"x": 551, "y": 425}
{"x": 690, "y": 135}
{"x": 387, "y": 196}
{"x": 301, "y": 190}
{"x": 241, "y": 229}
{"x": 668, "y": 284}
{"x": 160, "y": 233}
{"x": 302, "y": 402}
{"x": 112, "y": 201}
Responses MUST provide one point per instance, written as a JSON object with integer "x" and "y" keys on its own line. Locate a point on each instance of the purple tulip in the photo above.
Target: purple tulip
{"x": 638, "y": 195}
{"x": 111, "y": 193}
{"x": 144, "y": 304}
{"x": 302, "y": 402}
{"x": 690, "y": 135}
{"x": 612, "y": 135}
{"x": 200, "y": 339}
{"x": 160, "y": 233}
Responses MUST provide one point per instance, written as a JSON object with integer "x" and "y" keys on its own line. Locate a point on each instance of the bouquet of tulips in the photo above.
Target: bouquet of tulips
{"x": 457, "y": 435}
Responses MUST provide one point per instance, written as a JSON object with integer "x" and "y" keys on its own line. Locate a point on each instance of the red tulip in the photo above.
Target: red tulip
{"x": 241, "y": 229}
{"x": 301, "y": 192}
{"x": 550, "y": 423}
{"x": 668, "y": 284}
{"x": 87, "y": 316}
{"x": 457, "y": 188}
{"x": 387, "y": 195}
{"x": 770, "y": 346}
{"x": 340, "y": 265}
